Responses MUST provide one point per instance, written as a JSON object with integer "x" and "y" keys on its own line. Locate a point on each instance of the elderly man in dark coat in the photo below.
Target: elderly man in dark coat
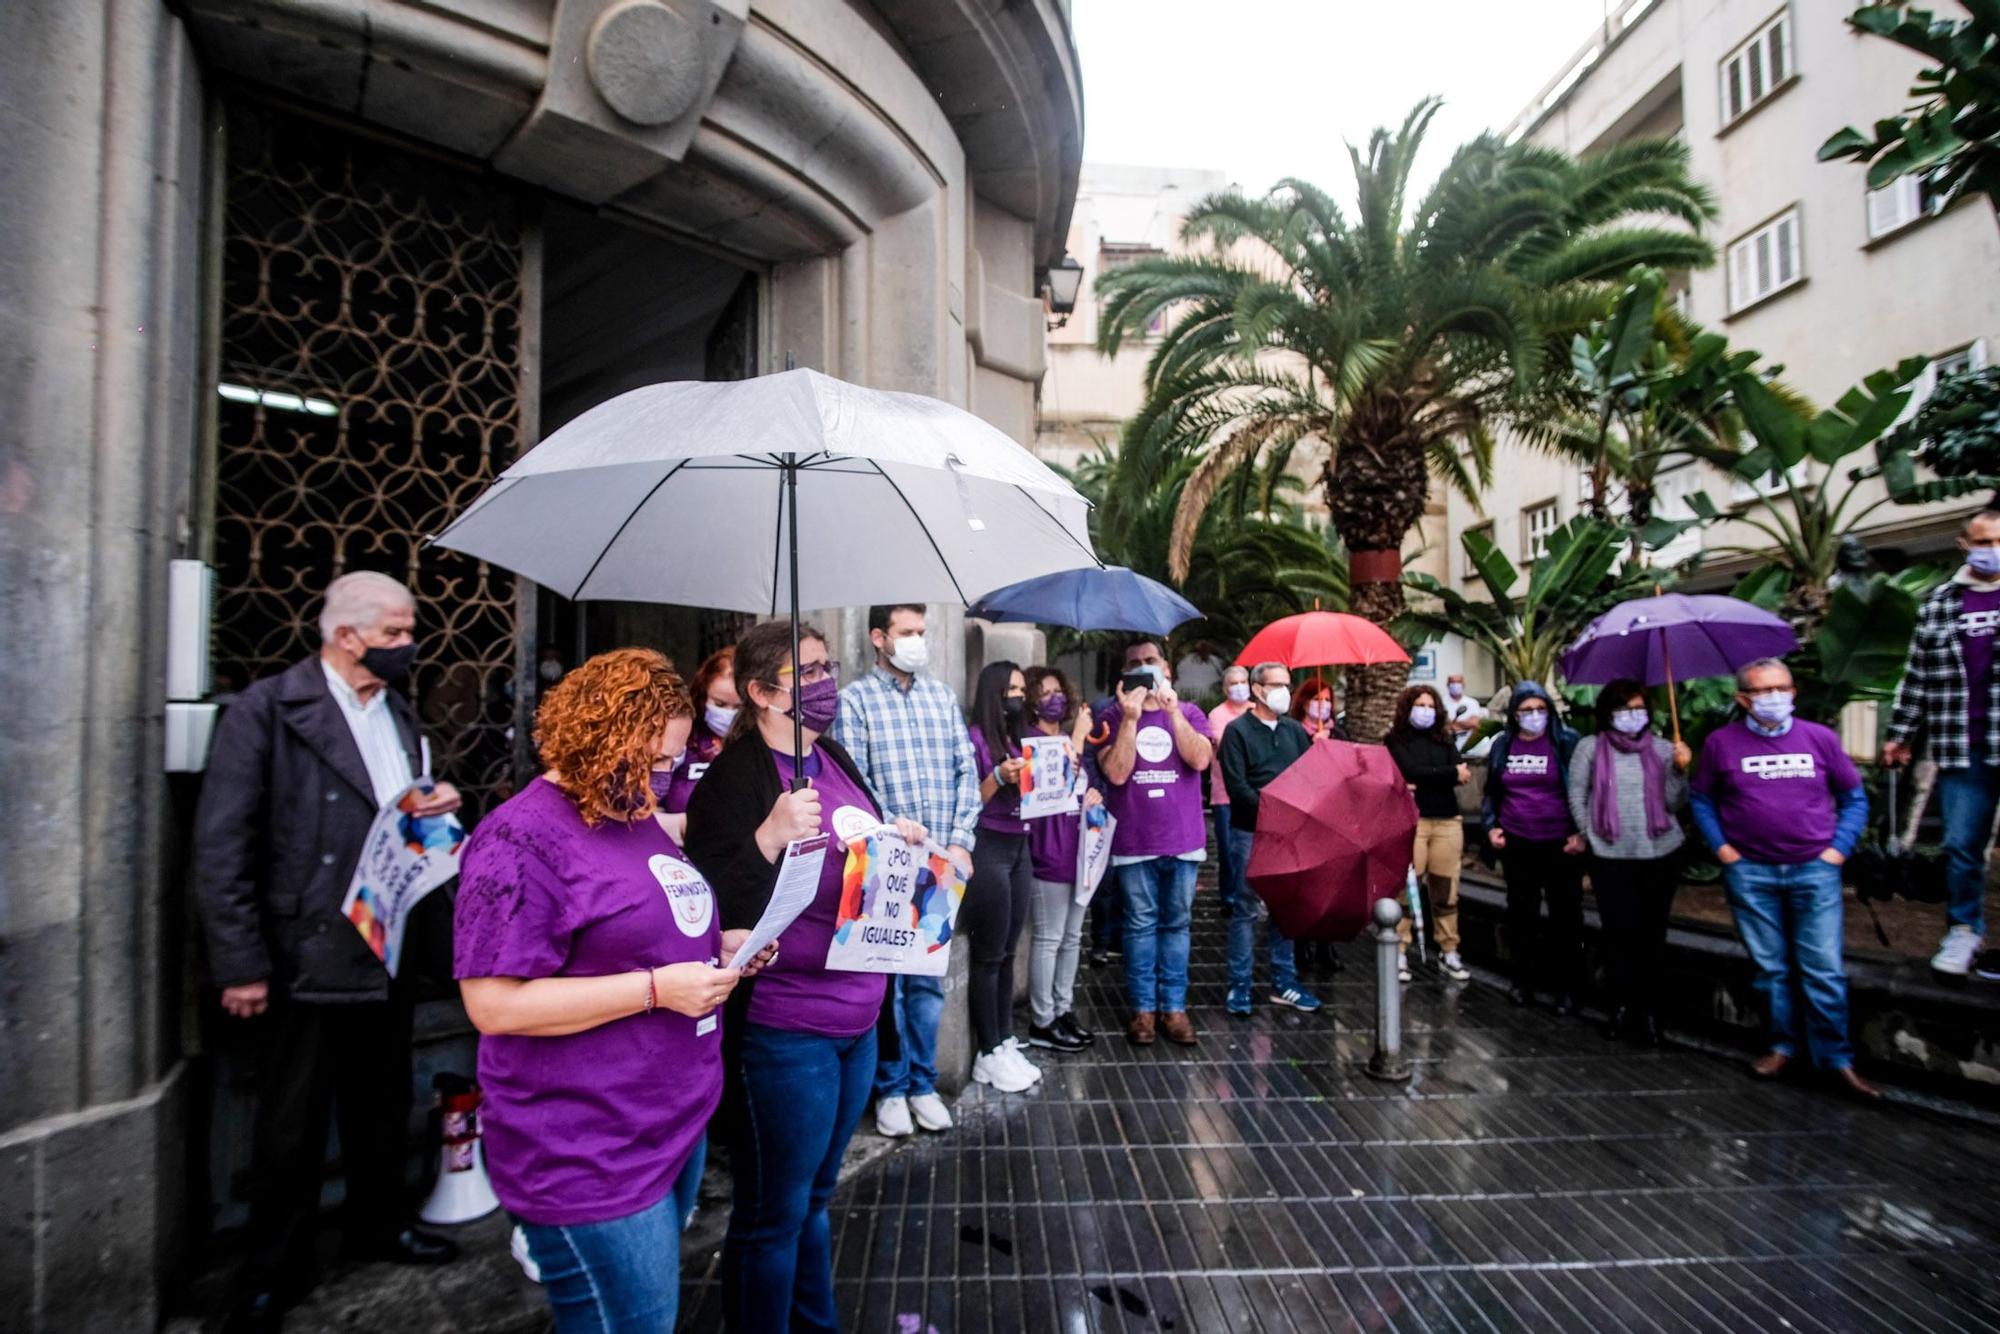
{"x": 302, "y": 761}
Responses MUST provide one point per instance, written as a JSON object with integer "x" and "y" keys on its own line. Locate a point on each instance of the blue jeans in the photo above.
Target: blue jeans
{"x": 1967, "y": 798}
{"x": 1159, "y": 898}
{"x": 1229, "y": 863}
{"x": 916, "y": 1004}
{"x": 1790, "y": 919}
{"x": 1244, "y": 910}
{"x": 1107, "y": 914}
{"x": 800, "y": 1097}
{"x": 621, "y": 1274}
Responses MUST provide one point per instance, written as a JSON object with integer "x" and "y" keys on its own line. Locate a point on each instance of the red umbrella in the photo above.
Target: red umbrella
{"x": 1321, "y": 639}
{"x": 1334, "y": 834}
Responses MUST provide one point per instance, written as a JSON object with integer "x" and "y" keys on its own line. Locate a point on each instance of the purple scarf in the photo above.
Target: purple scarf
{"x": 1604, "y": 784}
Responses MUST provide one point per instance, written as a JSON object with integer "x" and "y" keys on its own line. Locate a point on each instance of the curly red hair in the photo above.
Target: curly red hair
{"x": 599, "y": 730}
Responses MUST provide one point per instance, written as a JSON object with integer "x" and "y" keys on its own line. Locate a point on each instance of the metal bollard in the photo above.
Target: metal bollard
{"x": 1388, "y": 1062}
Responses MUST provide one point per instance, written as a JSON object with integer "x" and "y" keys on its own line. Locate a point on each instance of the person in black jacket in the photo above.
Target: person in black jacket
{"x": 1422, "y": 747}
{"x": 1256, "y": 748}
{"x": 300, "y": 765}
{"x": 1527, "y": 819}
{"x": 799, "y": 1041}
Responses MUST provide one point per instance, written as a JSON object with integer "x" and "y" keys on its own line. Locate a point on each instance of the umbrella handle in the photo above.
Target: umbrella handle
{"x": 1673, "y": 695}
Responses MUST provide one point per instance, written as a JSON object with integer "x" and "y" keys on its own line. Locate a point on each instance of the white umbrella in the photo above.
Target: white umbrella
{"x": 767, "y": 495}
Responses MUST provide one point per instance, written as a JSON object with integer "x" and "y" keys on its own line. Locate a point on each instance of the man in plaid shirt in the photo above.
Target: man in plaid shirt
{"x": 908, "y": 737}
{"x": 1950, "y": 697}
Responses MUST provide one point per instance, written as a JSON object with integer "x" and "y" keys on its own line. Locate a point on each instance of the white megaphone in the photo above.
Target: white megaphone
{"x": 463, "y": 1192}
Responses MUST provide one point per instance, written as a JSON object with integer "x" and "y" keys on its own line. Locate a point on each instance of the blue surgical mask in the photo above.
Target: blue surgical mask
{"x": 1772, "y": 710}
{"x": 1983, "y": 561}
{"x": 1423, "y": 717}
{"x": 1631, "y": 721}
{"x": 1533, "y": 723}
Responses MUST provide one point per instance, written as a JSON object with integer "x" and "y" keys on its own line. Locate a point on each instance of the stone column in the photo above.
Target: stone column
{"x": 99, "y": 310}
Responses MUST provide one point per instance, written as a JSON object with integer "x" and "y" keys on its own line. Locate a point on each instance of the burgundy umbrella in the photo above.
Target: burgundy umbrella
{"x": 1334, "y": 834}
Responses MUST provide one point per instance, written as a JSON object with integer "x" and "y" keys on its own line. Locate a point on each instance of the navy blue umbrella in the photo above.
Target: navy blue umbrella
{"x": 1112, "y": 598}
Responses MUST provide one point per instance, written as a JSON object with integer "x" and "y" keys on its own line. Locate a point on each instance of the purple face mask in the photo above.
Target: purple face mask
{"x": 662, "y": 782}
{"x": 1053, "y": 706}
{"x": 818, "y": 704}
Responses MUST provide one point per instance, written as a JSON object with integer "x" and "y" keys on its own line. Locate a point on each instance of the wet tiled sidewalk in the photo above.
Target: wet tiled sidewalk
{"x": 1531, "y": 1176}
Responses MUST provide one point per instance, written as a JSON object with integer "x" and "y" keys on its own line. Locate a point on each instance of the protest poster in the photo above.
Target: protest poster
{"x": 898, "y": 905}
{"x": 1093, "y": 852}
{"x": 1048, "y": 780}
{"x": 406, "y": 857}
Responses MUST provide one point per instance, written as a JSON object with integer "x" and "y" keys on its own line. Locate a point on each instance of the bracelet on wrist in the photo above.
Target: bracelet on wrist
{"x": 652, "y": 992}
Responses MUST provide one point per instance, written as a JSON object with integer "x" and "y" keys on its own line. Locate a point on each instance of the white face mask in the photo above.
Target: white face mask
{"x": 1455, "y": 690}
{"x": 719, "y": 719}
{"x": 1983, "y": 561}
{"x": 1278, "y": 699}
{"x": 1238, "y": 692}
{"x": 910, "y": 653}
{"x": 1533, "y": 723}
{"x": 1423, "y": 717}
{"x": 1630, "y": 721}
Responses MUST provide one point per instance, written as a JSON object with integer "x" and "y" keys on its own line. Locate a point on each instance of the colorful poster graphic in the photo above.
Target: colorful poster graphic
{"x": 405, "y": 858}
{"x": 898, "y": 904}
{"x": 1049, "y": 783}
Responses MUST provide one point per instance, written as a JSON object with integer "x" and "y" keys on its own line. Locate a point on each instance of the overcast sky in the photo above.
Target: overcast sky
{"x": 1268, "y": 88}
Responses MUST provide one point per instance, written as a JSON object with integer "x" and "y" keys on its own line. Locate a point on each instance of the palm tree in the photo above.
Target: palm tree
{"x": 1391, "y": 344}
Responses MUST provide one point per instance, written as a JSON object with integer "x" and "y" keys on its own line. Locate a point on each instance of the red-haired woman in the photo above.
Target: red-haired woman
{"x": 716, "y": 704}
{"x": 1315, "y": 709}
{"x": 590, "y": 959}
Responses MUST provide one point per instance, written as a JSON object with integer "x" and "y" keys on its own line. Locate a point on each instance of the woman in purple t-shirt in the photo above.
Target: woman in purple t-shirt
{"x": 1527, "y": 817}
{"x": 715, "y": 703}
{"x": 590, "y": 959}
{"x": 995, "y": 910}
{"x": 801, "y": 1057}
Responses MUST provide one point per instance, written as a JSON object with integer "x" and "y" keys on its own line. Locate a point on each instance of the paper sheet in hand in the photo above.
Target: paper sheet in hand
{"x": 898, "y": 904}
{"x": 797, "y": 887}
{"x": 1049, "y": 781}
{"x": 1093, "y": 854}
{"x": 406, "y": 857}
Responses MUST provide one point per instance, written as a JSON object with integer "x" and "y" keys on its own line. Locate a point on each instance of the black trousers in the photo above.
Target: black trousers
{"x": 998, "y": 899}
{"x": 1634, "y": 899}
{"x": 321, "y": 1061}
{"x": 1547, "y": 955}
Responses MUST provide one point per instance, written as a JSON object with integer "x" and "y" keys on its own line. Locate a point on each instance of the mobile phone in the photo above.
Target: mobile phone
{"x": 1135, "y": 681}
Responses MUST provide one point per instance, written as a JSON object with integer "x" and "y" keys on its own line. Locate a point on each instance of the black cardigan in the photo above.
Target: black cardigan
{"x": 1429, "y": 763}
{"x": 729, "y": 802}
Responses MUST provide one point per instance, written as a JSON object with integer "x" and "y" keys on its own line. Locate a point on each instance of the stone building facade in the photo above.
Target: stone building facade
{"x": 284, "y": 283}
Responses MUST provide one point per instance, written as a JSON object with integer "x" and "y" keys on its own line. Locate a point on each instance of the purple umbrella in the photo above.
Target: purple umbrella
{"x": 1650, "y": 639}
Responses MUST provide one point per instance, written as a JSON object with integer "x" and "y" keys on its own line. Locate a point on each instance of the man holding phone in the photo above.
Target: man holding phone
{"x": 1155, "y": 750}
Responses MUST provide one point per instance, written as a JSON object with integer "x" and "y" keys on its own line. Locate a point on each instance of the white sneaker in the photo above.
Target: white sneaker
{"x": 518, "y": 1245}
{"x": 993, "y": 1068}
{"x": 1012, "y": 1046}
{"x": 1956, "y": 953}
{"x": 1454, "y": 967}
{"x": 1402, "y": 967}
{"x": 892, "y": 1117}
{"x": 930, "y": 1111}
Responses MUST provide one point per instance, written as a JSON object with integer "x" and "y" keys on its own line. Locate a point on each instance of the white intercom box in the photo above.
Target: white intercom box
{"x": 190, "y": 719}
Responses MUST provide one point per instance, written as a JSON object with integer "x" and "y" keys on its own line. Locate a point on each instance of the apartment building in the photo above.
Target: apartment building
{"x": 1820, "y": 274}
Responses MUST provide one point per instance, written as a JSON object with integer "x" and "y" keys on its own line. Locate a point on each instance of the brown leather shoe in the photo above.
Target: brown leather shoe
{"x": 1140, "y": 1031}
{"x": 1856, "y": 1085}
{"x": 1178, "y": 1027}
{"x": 1770, "y": 1065}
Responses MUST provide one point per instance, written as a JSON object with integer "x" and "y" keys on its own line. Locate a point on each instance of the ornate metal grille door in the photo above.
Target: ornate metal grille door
{"x": 371, "y": 385}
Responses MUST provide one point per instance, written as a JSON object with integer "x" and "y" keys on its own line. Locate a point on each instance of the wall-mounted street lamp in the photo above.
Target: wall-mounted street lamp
{"x": 1065, "y": 281}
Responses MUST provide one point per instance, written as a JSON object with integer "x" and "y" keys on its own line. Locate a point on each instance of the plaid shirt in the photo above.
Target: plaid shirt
{"x": 913, "y": 749}
{"x": 1930, "y": 703}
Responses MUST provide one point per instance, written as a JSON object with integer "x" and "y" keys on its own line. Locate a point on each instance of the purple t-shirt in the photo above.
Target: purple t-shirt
{"x": 702, "y": 748}
{"x": 1977, "y": 620}
{"x": 1052, "y": 847}
{"x": 796, "y": 991}
{"x": 1775, "y": 795}
{"x": 593, "y": 1125}
{"x": 1159, "y": 806}
{"x": 1002, "y": 815}
{"x": 1535, "y": 806}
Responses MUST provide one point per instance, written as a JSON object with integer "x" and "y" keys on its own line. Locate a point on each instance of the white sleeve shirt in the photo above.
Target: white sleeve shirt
{"x": 375, "y": 735}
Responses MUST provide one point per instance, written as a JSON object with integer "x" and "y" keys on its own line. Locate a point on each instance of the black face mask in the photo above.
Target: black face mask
{"x": 1013, "y": 707}
{"x": 390, "y": 664}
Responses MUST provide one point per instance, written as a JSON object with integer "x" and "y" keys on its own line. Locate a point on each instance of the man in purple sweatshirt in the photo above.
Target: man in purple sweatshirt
{"x": 1783, "y": 806}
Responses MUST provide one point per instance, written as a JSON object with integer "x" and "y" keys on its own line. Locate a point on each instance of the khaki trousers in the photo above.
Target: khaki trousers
{"x": 1439, "y": 848}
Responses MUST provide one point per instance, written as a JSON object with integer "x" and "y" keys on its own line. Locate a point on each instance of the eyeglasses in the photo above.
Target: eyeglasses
{"x": 814, "y": 673}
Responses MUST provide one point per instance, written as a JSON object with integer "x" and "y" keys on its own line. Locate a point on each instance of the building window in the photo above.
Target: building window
{"x": 1766, "y": 261}
{"x": 1901, "y": 202}
{"x": 1756, "y": 69}
{"x": 1470, "y": 573}
{"x": 1115, "y": 255}
{"x": 1537, "y": 522}
{"x": 1971, "y": 357}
